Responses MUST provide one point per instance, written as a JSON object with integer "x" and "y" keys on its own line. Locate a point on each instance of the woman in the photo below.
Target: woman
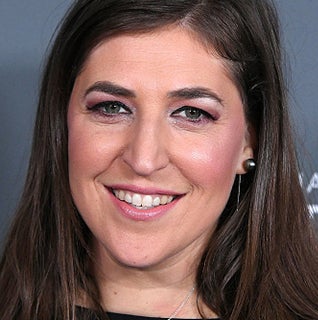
{"x": 163, "y": 180}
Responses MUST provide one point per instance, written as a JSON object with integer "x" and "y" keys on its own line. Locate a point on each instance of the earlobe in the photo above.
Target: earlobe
{"x": 247, "y": 161}
{"x": 247, "y": 165}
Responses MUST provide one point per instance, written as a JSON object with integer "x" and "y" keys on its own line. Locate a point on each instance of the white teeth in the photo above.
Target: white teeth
{"x": 136, "y": 200}
{"x": 128, "y": 198}
{"x": 147, "y": 201}
{"x": 156, "y": 201}
{"x": 142, "y": 201}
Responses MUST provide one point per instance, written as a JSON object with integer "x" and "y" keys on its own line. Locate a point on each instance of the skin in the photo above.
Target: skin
{"x": 154, "y": 144}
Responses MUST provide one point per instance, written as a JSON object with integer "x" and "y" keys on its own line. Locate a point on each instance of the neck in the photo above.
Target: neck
{"x": 158, "y": 289}
{"x": 155, "y": 290}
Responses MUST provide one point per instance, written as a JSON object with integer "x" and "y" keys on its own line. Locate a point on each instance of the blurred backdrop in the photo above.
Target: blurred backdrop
{"x": 26, "y": 28}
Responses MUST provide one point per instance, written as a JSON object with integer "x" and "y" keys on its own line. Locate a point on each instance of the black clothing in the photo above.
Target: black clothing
{"x": 87, "y": 314}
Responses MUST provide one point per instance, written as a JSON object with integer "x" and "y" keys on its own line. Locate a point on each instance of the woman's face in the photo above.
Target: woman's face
{"x": 156, "y": 136}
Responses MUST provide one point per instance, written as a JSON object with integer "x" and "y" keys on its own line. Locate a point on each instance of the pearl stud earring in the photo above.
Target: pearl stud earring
{"x": 249, "y": 165}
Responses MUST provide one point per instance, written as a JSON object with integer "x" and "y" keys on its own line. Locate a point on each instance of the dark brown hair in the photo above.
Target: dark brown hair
{"x": 261, "y": 262}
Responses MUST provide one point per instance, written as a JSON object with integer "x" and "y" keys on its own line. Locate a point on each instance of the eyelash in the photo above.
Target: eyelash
{"x": 200, "y": 116}
{"x": 98, "y": 108}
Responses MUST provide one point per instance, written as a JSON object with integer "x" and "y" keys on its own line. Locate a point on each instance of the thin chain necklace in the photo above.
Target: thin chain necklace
{"x": 182, "y": 304}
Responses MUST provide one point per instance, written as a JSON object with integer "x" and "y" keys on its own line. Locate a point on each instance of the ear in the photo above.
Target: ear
{"x": 248, "y": 148}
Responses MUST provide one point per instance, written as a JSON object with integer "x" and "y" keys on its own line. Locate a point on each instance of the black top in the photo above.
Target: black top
{"x": 87, "y": 314}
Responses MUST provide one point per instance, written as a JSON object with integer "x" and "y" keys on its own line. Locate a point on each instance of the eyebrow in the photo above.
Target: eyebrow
{"x": 110, "y": 88}
{"x": 195, "y": 93}
{"x": 184, "y": 93}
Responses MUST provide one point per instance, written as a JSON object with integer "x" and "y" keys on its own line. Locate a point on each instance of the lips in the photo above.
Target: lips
{"x": 142, "y": 204}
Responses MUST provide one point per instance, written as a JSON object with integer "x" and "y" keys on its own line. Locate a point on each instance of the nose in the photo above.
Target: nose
{"x": 146, "y": 150}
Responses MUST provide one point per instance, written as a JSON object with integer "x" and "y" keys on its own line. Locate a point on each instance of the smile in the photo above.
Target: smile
{"x": 143, "y": 201}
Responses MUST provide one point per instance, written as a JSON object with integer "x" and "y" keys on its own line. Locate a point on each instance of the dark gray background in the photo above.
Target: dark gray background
{"x": 25, "y": 30}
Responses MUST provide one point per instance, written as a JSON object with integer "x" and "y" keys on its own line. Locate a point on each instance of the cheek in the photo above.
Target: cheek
{"x": 89, "y": 152}
{"x": 83, "y": 155}
{"x": 212, "y": 160}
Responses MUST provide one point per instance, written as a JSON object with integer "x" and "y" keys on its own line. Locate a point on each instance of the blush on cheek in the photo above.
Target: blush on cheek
{"x": 208, "y": 170}
{"x": 214, "y": 161}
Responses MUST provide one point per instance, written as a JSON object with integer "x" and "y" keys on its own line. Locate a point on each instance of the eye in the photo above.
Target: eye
{"x": 110, "y": 108}
{"x": 193, "y": 114}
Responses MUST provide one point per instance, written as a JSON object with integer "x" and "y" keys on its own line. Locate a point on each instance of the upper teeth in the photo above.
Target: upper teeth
{"x": 142, "y": 201}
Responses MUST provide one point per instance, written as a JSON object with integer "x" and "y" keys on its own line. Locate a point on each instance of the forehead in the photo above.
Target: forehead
{"x": 174, "y": 40}
{"x": 170, "y": 52}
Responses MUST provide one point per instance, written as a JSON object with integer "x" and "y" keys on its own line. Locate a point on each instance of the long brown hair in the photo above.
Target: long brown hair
{"x": 261, "y": 262}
